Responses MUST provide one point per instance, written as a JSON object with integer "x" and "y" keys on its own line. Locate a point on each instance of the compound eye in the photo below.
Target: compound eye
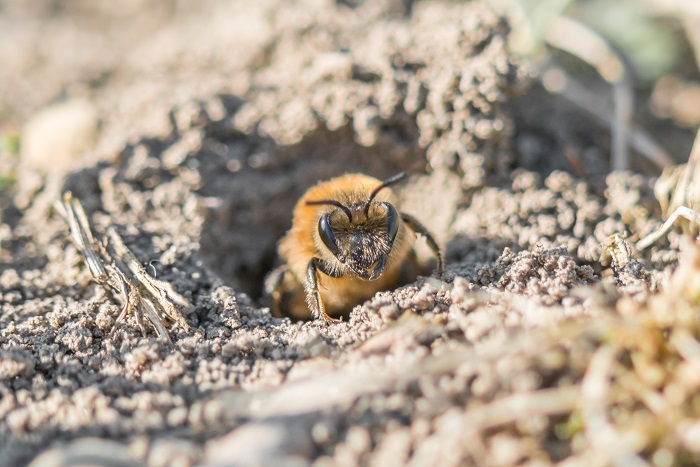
{"x": 392, "y": 221}
{"x": 327, "y": 234}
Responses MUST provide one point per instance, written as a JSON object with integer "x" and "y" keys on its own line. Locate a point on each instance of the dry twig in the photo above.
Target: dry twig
{"x": 112, "y": 264}
{"x": 600, "y": 431}
{"x": 574, "y": 37}
{"x": 678, "y": 193}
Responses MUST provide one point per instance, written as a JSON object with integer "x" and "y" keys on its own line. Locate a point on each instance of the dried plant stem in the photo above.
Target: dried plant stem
{"x": 522, "y": 406}
{"x": 678, "y": 190}
{"x": 574, "y": 37}
{"x": 681, "y": 212}
{"x": 72, "y": 211}
{"x": 600, "y": 431}
{"x": 112, "y": 264}
{"x": 590, "y": 102}
{"x": 162, "y": 292}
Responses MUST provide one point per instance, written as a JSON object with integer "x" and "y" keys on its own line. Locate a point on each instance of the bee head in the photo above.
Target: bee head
{"x": 361, "y": 235}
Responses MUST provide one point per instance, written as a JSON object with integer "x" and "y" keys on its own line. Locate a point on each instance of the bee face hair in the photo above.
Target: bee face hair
{"x": 361, "y": 235}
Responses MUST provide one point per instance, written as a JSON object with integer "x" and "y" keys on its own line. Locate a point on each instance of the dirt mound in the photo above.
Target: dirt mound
{"x": 213, "y": 124}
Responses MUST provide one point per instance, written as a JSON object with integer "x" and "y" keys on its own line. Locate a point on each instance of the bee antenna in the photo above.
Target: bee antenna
{"x": 388, "y": 182}
{"x": 332, "y": 202}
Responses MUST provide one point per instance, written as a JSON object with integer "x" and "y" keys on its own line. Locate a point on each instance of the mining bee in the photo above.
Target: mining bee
{"x": 347, "y": 242}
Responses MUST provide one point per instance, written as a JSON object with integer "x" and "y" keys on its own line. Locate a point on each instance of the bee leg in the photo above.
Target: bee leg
{"x": 273, "y": 283}
{"x": 313, "y": 295}
{"x": 418, "y": 228}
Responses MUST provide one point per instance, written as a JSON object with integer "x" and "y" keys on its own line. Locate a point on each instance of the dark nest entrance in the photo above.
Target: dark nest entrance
{"x": 259, "y": 182}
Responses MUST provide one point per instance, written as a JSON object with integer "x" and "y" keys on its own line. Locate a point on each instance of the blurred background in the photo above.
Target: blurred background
{"x": 627, "y": 67}
{"x": 630, "y": 65}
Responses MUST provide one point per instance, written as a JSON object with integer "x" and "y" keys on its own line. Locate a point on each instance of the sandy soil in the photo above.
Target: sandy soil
{"x": 213, "y": 122}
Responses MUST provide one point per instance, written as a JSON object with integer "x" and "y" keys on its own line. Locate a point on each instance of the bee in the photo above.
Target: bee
{"x": 347, "y": 242}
